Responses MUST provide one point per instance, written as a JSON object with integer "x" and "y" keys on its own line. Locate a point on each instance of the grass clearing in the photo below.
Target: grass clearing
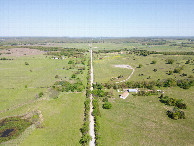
{"x": 142, "y": 120}
{"x": 62, "y": 117}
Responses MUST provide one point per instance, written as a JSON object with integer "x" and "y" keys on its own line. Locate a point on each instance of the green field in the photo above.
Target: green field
{"x": 106, "y": 66}
{"x": 20, "y": 84}
{"x": 142, "y": 120}
{"x": 50, "y": 93}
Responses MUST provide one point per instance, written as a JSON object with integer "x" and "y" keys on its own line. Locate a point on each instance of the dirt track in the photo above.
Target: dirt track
{"x": 128, "y": 67}
{"x": 91, "y": 118}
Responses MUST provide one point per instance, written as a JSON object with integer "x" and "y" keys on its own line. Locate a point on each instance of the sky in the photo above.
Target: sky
{"x": 97, "y": 18}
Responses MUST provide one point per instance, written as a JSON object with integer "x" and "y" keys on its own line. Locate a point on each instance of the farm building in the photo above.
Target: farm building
{"x": 55, "y": 58}
{"x": 124, "y": 95}
{"x": 132, "y": 90}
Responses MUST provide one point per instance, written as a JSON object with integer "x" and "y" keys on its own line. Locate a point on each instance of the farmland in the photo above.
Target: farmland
{"x": 45, "y": 82}
{"x": 142, "y": 120}
{"x": 28, "y": 90}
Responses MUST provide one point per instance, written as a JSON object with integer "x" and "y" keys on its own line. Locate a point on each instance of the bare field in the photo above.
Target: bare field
{"x": 16, "y": 52}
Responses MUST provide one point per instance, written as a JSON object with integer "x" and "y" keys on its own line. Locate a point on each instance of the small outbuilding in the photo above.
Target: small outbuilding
{"x": 132, "y": 90}
{"x": 124, "y": 95}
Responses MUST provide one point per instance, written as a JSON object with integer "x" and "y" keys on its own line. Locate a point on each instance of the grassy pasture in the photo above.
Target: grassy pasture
{"x": 107, "y": 71}
{"x": 122, "y": 45}
{"x": 63, "y": 117}
{"x": 104, "y": 70}
{"x": 142, "y": 120}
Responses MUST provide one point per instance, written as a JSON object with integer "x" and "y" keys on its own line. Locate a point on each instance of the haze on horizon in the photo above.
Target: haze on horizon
{"x": 97, "y": 18}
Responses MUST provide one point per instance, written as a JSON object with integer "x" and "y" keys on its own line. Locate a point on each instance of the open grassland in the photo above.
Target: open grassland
{"x": 130, "y": 45}
{"x": 143, "y": 73}
{"x": 104, "y": 70}
{"x": 63, "y": 118}
{"x": 21, "y": 84}
{"x": 142, "y": 120}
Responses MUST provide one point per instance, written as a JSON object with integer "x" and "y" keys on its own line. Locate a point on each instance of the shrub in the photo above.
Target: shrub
{"x": 26, "y": 63}
{"x": 170, "y": 72}
{"x": 153, "y": 62}
{"x": 155, "y": 70}
{"x": 40, "y": 94}
{"x": 188, "y": 61}
{"x": 105, "y": 99}
{"x": 73, "y": 76}
{"x": 177, "y": 70}
{"x": 169, "y": 61}
{"x": 140, "y": 66}
{"x": 85, "y": 139}
{"x": 71, "y": 62}
{"x": 176, "y": 114}
{"x": 173, "y": 102}
{"x": 107, "y": 105}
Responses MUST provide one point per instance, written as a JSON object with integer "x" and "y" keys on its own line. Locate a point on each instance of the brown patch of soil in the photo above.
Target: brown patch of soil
{"x": 20, "y": 52}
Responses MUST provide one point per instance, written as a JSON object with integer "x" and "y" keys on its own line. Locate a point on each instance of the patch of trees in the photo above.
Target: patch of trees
{"x": 146, "y": 52}
{"x": 185, "y": 83}
{"x": 146, "y": 93}
{"x": 170, "y": 82}
{"x": 85, "y": 127}
{"x": 107, "y": 51}
{"x": 176, "y": 114}
{"x": 173, "y": 102}
{"x": 69, "y": 52}
{"x": 107, "y": 105}
{"x": 169, "y": 61}
{"x": 3, "y": 58}
{"x": 96, "y": 114}
{"x": 177, "y": 103}
{"x": 67, "y": 86}
{"x": 178, "y": 69}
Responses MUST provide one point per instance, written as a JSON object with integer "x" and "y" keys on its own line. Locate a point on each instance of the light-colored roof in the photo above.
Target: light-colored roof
{"x": 125, "y": 94}
{"x": 132, "y": 90}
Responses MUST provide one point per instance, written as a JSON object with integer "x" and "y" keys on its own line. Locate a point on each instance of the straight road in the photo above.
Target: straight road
{"x": 91, "y": 117}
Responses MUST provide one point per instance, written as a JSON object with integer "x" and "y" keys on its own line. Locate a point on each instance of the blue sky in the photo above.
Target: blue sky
{"x": 95, "y": 18}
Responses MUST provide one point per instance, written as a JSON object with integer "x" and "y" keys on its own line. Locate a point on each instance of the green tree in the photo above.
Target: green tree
{"x": 140, "y": 66}
{"x": 107, "y": 105}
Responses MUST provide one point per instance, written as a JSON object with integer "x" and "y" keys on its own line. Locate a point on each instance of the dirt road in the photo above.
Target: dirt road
{"x": 128, "y": 67}
{"x": 91, "y": 118}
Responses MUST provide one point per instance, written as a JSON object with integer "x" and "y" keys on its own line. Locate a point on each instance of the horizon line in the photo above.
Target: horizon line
{"x": 99, "y": 36}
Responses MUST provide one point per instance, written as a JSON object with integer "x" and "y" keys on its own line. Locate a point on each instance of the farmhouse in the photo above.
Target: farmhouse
{"x": 124, "y": 95}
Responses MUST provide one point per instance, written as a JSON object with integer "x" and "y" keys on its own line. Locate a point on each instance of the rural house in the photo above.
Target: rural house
{"x": 124, "y": 95}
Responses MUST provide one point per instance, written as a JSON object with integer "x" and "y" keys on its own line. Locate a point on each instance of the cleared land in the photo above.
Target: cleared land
{"x": 142, "y": 120}
{"x": 20, "y": 52}
{"x": 62, "y": 114}
{"x": 45, "y": 88}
